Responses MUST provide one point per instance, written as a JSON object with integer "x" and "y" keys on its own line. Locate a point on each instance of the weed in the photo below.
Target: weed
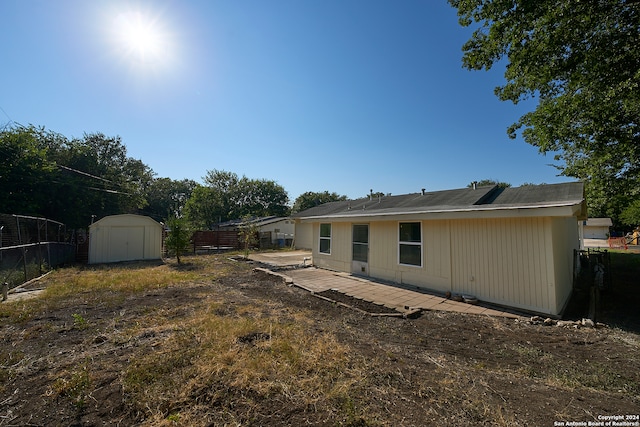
{"x": 593, "y": 375}
{"x": 9, "y": 362}
{"x": 529, "y": 353}
{"x": 174, "y": 418}
{"x": 74, "y": 385}
{"x": 79, "y": 322}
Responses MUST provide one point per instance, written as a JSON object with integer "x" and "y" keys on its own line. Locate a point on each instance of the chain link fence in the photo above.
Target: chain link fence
{"x": 30, "y": 246}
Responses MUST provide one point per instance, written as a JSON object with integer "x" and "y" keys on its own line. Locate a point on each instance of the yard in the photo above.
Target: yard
{"x": 211, "y": 342}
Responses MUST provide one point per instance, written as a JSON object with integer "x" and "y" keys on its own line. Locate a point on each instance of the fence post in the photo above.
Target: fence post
{"x": 24, "y": 263}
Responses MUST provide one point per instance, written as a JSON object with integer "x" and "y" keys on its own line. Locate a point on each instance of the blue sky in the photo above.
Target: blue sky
{"x": 337, "y": 95}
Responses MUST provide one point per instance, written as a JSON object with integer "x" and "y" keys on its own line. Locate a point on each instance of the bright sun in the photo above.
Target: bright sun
{"x": 140, "y": 37}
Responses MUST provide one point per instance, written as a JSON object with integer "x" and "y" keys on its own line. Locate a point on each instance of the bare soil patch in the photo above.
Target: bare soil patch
{"x": 70, "y": 361}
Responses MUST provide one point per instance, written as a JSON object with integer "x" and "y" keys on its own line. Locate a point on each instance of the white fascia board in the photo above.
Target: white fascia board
{"x": 549, "y": 210}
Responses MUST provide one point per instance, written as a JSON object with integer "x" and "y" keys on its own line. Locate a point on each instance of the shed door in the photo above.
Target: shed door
{"x": 126, "y": 243}
{"x": 360, "y": 249}
{"x": 596, "y": 232}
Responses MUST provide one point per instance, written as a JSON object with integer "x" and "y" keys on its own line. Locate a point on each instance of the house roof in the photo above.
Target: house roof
{"x": 491, "y": 198}
{"x": 261, "y": 221}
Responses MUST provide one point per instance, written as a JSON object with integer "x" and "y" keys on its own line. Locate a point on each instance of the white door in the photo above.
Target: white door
{"x": 126, "y": 243}
{"x": 360, "y": 249}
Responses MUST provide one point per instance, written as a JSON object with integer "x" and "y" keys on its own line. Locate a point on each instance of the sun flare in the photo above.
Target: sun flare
{"x": 141, "y": 38}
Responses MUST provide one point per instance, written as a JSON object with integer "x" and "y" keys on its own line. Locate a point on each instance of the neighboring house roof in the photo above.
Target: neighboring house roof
{"x": 598, "y": 222}
{"x": 492, "y": 198}
{"x": 261, "y": 221}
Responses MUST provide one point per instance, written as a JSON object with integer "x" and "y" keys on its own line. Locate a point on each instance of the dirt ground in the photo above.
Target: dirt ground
{"x": 436, "y": 369}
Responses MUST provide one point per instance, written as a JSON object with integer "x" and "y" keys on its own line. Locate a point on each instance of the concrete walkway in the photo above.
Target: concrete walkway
{"x": 401, "y": 299}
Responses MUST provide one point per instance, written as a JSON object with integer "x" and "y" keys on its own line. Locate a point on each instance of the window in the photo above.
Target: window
{"x": 325, "y": 238}
{"x": 410, "y": 244}
{"x": 360, "y": 243}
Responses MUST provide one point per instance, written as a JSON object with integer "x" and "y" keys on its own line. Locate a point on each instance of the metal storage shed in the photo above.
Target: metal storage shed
{"x": 124, "y": 238}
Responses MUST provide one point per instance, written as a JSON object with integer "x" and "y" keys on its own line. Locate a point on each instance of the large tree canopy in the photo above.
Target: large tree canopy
{"x": 166, "y": 197}
{"x": 581, "y": 59}
{"x": 225, "y": 196}
{"x": 310, "y": 199}
{"x": 46, "y": 174}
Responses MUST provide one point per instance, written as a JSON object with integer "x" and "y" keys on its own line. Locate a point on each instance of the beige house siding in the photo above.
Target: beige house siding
{"x": 504, "y": 261}
{"x": 303, "y": 235}
{"x": 521, "y": 262}
{"x": 565, "y": 243}
{"x": 340, "y": 257}
{"x": 435, "y": 272}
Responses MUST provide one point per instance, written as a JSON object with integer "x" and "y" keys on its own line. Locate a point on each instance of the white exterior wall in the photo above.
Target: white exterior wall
{"x": 304, "y": 235}
{"x": 286, "y": 229}
{"x": 596, "y": 232}
{"x": 124, "y": 238}
{"x": 521, "y": 262}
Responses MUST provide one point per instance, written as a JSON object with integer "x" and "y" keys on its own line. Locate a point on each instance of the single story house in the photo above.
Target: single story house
{"x": 514, "y": 247}
{"x": 274, "y": 230}
{"x": 126, "y": 237}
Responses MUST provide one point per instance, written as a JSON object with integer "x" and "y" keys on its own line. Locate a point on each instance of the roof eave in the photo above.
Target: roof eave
{"x": 572, "y": 208}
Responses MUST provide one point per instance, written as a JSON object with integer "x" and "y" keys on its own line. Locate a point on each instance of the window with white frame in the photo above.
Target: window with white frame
{"x": 325, "y": 238}
{"x": 410, "y": 244}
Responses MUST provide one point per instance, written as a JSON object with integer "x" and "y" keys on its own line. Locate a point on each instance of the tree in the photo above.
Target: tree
{"x": 631, "y": 214}
{"x": 259, "y": 198}
{"x": 489, "y": 182}
{"x": 66, "y": 180}
{"x": 167, "y": 197}
{"x": 178, "y": 237}
{"x": 26, "y": 173}
{"x": 229, "y": 197}
{"x": 581, "y": 60}
{"x": 204, "y": 207}
{"x": 248, "y": 234}
{"x": 310, "y": 199}
{"x": 97, "y": 177}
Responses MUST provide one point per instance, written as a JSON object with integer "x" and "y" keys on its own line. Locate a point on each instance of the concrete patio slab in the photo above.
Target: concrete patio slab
{"x": 398, "y": 298}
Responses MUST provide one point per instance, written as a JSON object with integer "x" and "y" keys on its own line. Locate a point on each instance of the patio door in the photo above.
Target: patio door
{"x": 360, "y": 249}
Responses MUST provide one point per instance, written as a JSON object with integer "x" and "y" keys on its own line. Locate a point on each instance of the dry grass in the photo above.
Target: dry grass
{"x": 223, "y": 358}
{"x": 219, "y": 361}
{"x": 230, "y": 363}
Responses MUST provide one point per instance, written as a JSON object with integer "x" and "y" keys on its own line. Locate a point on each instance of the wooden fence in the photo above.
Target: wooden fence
{"x": 215, "y": 240}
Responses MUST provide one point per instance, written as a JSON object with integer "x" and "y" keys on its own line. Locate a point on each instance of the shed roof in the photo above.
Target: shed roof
{"x": 125, "y": 219}
{"x": 458, "y": 200}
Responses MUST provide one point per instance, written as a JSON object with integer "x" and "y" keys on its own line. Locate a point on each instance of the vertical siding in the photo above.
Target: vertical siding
{"x": 435, "y": 272}
{"x": 437, "y": 249}
{"x": 565, "y": 241}
{"x": 520, "y": 262}
{"x": 503, "y": 260}
{"x": 383, "y": 250}
{"x": 124, "y": 238}
{"x": 304, "y": 235}
{"x": 340, "y": 257}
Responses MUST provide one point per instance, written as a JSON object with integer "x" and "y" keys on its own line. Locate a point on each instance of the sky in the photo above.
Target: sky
{"x": 344, "y": 96}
